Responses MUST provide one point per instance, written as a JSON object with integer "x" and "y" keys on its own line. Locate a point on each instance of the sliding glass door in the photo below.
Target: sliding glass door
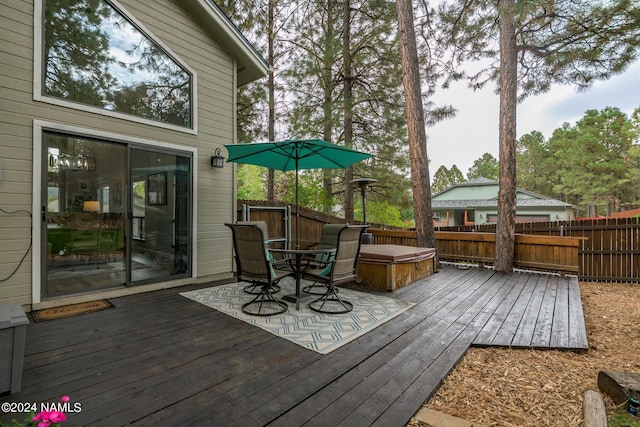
{"x": 113, "y": 215}
{"x": 84, "y": 215}
{"x": 160, "y": 190}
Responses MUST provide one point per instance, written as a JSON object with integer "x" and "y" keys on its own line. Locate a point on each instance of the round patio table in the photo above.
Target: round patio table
{"x": 297, "y": 270}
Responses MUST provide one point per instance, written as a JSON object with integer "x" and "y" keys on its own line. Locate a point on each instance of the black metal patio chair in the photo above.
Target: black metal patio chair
{"x": 253, "y": 288}
{"x": 342, "y": 269}
{"x": 328, "y": 239}
{"x": 253, "y": 265}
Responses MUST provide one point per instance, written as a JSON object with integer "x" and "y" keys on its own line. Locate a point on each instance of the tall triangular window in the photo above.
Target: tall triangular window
{"x": 93, "y": 54}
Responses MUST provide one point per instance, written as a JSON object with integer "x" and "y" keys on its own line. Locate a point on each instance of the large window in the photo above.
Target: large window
{"x": 95, "y": 55}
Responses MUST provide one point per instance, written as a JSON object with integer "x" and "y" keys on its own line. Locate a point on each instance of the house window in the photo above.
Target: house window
{"x": 95, "y": 55}
{"x": 436, "y": 216}
{"x": 532, "y": 218}
{"x": 520, "y": 219}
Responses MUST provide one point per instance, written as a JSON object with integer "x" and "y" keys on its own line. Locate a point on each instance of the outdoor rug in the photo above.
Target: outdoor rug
{"x": 319, "y": 332}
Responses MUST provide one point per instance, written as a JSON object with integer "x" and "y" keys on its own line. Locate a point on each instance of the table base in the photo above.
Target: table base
{"x": 298, "y": 299}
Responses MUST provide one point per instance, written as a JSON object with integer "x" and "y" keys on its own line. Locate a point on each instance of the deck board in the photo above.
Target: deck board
{"x": 500, "y": 328}
{"x": 528, "y": 322}
{"x": 544, "y": 324}
{"x": 577, "y": 331}
{"x": 380, "y": 388}
{"x": 559, "y": 337}
{"x": 160, "y": 359}
{"x": 439, "y": 353}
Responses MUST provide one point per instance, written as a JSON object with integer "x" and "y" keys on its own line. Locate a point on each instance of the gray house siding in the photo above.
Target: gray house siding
{"x": 215, "y": 98}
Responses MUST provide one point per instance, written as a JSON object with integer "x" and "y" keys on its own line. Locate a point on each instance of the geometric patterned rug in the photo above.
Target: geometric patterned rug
{"x": 315, "y": 331}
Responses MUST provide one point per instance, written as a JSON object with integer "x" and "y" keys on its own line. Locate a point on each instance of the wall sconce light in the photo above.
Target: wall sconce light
{"x": 217, "y": 161}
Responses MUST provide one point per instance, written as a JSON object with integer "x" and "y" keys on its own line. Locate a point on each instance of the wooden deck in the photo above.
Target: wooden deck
{"x": 161, "y": 359}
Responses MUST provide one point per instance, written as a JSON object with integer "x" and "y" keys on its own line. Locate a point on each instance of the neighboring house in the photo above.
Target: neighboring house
{"x": 111, "y": 112}
{"x": 476, "y": 202}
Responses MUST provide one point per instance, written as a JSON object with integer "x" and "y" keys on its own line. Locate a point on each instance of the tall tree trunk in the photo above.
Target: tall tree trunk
{"x": 327, "y": 104}
{"x": 272, "y": 102}
{"x": 416, "y": 126}
{"x": 505, "y": 229}
{"x": 348, "y": 109}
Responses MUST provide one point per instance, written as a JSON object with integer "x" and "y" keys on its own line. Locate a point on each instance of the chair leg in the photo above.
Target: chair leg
{"x": 331, "y": 303}
{"x": 315, "y": 289}
{"x": 264, "y": 300}
{"x": 256, "y": 289}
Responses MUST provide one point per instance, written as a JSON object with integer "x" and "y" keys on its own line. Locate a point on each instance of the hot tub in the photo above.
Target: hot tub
{"x": 390, "y": 267}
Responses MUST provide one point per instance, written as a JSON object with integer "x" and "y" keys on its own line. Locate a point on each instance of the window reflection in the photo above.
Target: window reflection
{"x": 96, "y": 56}
{"x": 85, "y": 215}
{"x": 138, "y": 192}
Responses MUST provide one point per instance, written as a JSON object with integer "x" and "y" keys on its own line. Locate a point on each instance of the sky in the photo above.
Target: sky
{"x": 474, "y": 130}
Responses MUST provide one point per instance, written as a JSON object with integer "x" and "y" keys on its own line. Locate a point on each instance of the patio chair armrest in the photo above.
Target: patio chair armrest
{"x": 282, "y": 264}
{"x": 322, "y": 271}
{"x": 310, "y": 262}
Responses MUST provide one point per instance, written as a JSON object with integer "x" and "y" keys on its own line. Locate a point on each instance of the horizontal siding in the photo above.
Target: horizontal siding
{"x": 13, "y": 287}
{"x": 12, "y": 252}
{"x": 20, "y": 13}
{"x": 17, "y": 6}
{"x": 15, "y": 63}
{"x": 12, "y": 294}
{"x": 214, "y": 104}
{"x": 14, "y": 224}
{"x": 15, "y": 231}
{"x": 17, "y": 83}
{"x": 177, "y": 29}
{"x": 11, "y": 129}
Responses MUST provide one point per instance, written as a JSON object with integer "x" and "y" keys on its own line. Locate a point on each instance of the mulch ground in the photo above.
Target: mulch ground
{"x": 508, "y": 387}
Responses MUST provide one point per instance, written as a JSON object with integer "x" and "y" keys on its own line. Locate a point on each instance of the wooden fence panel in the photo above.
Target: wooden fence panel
{"x": 472, "y": 247}
{"x": 394, "y": 237}
{"x": 311, "y": 222}
{"x": 277, "y": 221}
{"x": 553, "y": 253}
{"x": 549, "y": 253}
{"x": 608, "y": 249}
{"x": 609, "y": 252}
{"x": 612, "y": 252}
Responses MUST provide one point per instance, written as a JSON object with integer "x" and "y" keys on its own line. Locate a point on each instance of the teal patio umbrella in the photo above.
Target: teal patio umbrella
{"x": 295, "y": 154}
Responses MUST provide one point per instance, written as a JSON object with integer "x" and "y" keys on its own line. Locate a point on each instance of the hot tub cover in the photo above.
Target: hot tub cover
{"x": 394, "y": 254}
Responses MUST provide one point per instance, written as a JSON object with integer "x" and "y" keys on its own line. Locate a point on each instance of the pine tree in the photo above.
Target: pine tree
{"x": 485, "y": 167}
{"x": 416, "y": 126}
{"x": 445, "y": 178}
{"x": 358, "y": 104}
{"x": 532, "y": 45}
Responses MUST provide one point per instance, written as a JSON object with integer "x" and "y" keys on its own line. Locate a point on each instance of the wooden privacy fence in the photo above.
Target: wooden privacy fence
{"x": 610, "y": 251}
{"x": 548, "y": 253}
{"x": 281, "y": 222}
{"x": 597, "y": 250}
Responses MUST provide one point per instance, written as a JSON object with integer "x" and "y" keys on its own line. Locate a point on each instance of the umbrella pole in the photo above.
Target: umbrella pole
{"x": 297, "y": 209}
